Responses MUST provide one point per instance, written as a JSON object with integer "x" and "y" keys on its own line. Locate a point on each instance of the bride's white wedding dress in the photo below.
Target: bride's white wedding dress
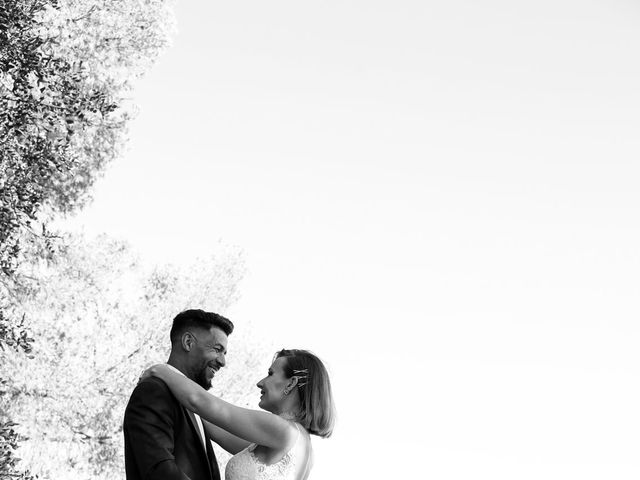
{"x": 294, "y": 465}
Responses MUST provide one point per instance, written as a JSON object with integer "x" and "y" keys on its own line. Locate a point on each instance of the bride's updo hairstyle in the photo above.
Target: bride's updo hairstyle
{"x": 317, "y": 411}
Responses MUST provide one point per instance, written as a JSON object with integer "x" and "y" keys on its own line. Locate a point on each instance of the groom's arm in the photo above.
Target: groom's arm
{"x": 148, "y": 426}
{"x": 226, "y": 440}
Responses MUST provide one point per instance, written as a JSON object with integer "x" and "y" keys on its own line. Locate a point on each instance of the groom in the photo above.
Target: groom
{"x": 162, "y": 439}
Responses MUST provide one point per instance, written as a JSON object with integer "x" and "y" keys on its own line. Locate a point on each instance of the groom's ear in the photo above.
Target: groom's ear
{"x": 187, "y": 341}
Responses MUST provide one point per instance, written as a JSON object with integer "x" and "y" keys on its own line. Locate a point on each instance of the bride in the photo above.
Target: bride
{"x": 265, "y": 446}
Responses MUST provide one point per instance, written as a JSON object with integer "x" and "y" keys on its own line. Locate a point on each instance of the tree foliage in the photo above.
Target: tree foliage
{"x": 100, "y": 317}
{"x": 66, "y": 70}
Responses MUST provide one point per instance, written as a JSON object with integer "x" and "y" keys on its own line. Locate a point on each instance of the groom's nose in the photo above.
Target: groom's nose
{"x": 222, "y": 361}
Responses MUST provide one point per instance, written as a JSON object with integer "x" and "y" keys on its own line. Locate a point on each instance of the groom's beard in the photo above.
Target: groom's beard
{"x": 201, "y": 379}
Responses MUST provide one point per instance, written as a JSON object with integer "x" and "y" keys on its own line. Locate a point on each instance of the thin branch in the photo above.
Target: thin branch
{"x": 32, "y": 102}
{"x": 85, "y": 15}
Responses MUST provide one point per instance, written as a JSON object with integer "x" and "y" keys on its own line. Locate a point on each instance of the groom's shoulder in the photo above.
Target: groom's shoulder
{"x": 152, "y": 384}
{"x": 151, "y": 387}
{"x": 151, "y": 393}
{"x": 151, "y": 399}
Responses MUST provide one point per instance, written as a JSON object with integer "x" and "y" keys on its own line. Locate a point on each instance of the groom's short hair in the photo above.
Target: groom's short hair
{"x": 197, "y": 318}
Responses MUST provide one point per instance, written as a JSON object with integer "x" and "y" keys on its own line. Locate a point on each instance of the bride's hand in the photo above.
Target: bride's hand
{"x": 150, "y": 372}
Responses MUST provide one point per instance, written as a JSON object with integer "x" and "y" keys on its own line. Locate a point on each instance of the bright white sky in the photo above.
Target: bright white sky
{"x": 439, "y": 198}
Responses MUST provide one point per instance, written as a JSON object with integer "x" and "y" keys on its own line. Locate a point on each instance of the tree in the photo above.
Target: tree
{"x": 66, "y": 69}
{"x": 101, "y": 317}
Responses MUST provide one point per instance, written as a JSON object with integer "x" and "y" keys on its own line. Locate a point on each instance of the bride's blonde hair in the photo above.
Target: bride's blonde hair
{"x": 317, "y": 411}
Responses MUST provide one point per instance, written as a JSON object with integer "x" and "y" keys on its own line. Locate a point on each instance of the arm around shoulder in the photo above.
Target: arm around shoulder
{"x": 254, "y": 426}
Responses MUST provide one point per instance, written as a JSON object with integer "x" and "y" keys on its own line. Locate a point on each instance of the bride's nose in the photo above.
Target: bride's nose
{"x": 259, "y": 384}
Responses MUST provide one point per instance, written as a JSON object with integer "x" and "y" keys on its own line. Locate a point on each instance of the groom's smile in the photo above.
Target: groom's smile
{"x": 207, "y": 355}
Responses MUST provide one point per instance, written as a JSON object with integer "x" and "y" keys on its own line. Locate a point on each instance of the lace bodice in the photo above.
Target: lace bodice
{"x": 246, "y": 466}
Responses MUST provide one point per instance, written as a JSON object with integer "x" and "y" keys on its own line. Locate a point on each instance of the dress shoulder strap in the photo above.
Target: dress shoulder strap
{"x": 298, "y": 427}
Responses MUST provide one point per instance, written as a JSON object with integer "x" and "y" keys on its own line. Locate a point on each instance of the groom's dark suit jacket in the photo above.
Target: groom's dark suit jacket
{"x": 161, "y": 438}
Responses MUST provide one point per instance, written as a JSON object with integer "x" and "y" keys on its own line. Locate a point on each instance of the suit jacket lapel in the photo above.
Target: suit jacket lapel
{"x": 213, "y": 461}
{"x": 196, "y": 431}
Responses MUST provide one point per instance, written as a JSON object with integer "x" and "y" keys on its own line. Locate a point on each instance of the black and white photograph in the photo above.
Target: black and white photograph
{"x": 319, "y": 240}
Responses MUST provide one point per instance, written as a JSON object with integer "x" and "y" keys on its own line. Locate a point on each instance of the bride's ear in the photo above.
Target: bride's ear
{"x": 293, "y": 381}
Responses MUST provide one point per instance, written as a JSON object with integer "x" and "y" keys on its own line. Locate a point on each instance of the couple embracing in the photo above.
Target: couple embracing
{"x": 171, "y": 419}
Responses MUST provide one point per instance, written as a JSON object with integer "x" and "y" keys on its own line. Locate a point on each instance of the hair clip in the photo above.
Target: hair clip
{"x": 302, "y": 373}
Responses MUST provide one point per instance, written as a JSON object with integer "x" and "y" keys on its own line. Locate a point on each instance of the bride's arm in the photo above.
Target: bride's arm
{"x": 258, "y": 427}
{"x": 226, "y": 440}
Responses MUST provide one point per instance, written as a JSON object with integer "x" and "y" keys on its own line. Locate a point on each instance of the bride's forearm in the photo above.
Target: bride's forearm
{"x": 193, "y": 397}
{"x": 186, "y": 391}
